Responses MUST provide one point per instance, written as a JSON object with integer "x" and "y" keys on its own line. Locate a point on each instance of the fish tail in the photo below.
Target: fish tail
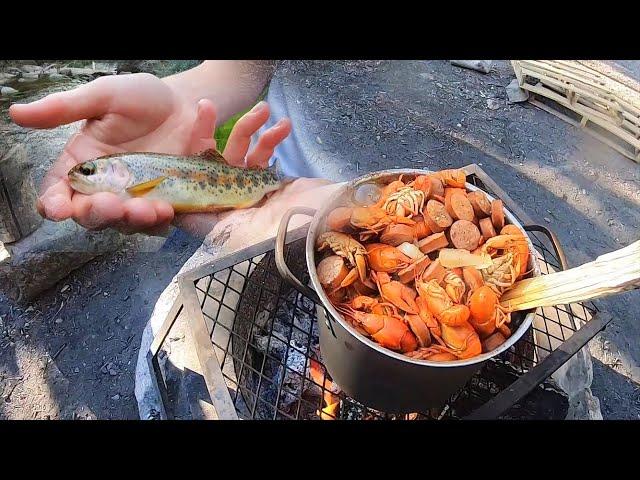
{"x": 279, "y": 172}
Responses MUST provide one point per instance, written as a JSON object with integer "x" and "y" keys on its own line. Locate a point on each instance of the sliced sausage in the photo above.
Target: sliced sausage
{"x": 492, "y": 342}
{"x": 437, "y": 187}
{"x": 433, "y": 242}
{"x": 480, "y": 203}
{"x": 461, "y": 207}
{"x": 434, "y": 271}
{"x": 464, "y": 234}
{"x": 486, "y": 227}
{"x": 448, "y": 191}
{"x": 497, "y": 214}
{"x": 331, "y": 272}
{"x": 437, "y": 217}
{"x": 397, "y": 233}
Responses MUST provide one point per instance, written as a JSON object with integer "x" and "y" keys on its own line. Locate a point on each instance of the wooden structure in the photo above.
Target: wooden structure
{"x": 593, "y": 99}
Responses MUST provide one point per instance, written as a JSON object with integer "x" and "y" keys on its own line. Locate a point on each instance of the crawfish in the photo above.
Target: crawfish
{"x": 486, "y": 312}
{"x": 501, "y": 274}
{"x": 406, "y": 202}
{"x": 374, "y": 219}
{"x": 346, "y": 247}
{"x": 454, "y": 286}
{"x": 396, "y": 292}
{"x": 462, "y": 340}
{"x": 371, "y": 305}
{"x": 435, "y": 353}
{"x": 385, "y": 258}
{"x": 514, "y": 246}
{"x": 440, "y": 305}
{"x": 422, "y": 183}
{"x": 452, "y": 177}
{"x": 429, "y": 320}
{"x": 389, "y": 331}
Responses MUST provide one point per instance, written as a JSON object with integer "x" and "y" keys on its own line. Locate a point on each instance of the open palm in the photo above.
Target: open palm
{"x": 133, "y": 113}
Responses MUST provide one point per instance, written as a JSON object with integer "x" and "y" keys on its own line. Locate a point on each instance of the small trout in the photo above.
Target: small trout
{"x": 197, "y": 183}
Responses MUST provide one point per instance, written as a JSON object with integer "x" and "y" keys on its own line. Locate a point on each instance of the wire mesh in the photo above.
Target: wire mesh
{"x": 265, "y": 336}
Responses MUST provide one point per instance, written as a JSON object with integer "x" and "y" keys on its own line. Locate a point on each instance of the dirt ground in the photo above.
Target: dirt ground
{"x": 72, "y": 353}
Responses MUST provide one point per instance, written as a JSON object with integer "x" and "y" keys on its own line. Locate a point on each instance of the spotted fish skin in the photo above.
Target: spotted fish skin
{"x": 197, "y": 183}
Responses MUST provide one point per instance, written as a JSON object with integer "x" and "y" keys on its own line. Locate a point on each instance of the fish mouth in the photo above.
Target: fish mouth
{"x": 79, "y": 182}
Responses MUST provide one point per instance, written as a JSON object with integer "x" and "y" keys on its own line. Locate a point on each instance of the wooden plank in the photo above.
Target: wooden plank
{"x": 587, "y": 130}
{"x": 621, "y": 121}
{"x": 542, "y": 90}
{"x": 517, "y": 70}
{"x": 576, "y": 66}
{"x": 576, "y": 69}
{"x": 580, "y": 109}
{"x": 584, "y": 89}
{"x": 597, "y": 119}
{"x": 608, "y": 93}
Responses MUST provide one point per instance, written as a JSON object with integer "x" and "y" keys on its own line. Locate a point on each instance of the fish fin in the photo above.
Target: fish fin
{"x": 212, "y": 155}
{"x": 145, "y": 187}
{"x": 279, "y": 172}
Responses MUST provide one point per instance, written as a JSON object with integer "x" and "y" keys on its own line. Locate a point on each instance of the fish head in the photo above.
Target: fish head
{"x": 106, "y": 174}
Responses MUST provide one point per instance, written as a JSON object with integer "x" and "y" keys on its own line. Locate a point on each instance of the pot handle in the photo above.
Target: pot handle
{"x": 554, "y": 241}
{"x": 286, "y": 274}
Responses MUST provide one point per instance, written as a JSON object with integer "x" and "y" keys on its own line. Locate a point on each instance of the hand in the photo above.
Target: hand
{"x": 133, "y": 113}
{"x": 238, "y": 229}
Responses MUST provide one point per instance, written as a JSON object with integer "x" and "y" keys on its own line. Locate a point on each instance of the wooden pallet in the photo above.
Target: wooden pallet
{"x": 597, "y": 99}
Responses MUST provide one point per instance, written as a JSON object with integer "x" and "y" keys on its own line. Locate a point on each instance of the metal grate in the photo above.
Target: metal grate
{"x": 264, "y": 334}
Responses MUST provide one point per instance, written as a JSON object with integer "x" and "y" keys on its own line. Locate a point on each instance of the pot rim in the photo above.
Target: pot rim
{"x": 314, "y": 231}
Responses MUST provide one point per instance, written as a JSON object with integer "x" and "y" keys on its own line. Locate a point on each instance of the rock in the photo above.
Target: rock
{"x": 547, "y": 219}
{"x": 7, "y": 78}
{"x": 515, "y": 94}
{"x": 4, "y": 253}
{"x": 483, "y": 66}
{"x": 31, "y": 68}
{"x": 493, "y": 104}
{"x": 55, "y": 77}
{"x": 58, "y": 321}
{"x": 49, "y": 254}
{"x": 87, "y": 72}
{"x": 7, "y": 91}
{"x": 18, "y": 214}
{"x": 116, "y": 397}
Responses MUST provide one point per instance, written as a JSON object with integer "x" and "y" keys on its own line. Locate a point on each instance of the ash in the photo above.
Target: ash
{"x": 284, "y": 346}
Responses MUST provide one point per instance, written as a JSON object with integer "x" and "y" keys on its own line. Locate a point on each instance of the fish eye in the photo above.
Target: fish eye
{"x": 88, "y": 169}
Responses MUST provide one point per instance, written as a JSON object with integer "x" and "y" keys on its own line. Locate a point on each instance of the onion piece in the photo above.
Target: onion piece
{"x": 410, "y": 250}
{"x": 459, "y": 257}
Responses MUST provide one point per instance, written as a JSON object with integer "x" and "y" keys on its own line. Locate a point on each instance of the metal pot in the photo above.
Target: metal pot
{"x": 371, "y": 374}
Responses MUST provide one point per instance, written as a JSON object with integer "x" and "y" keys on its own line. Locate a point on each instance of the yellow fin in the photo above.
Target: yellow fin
{"x": 145, "y": 187}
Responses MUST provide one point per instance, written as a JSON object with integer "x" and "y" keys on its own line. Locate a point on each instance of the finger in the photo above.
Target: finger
{"x": 55, "y": 203}
{"x": 56, "y": 193}
{"x": 203, "y": 128}
{"x": 88, "y": 101}
{"x": 240, "y": 136}
{"x": 139, "y": 215}
{"x": 267, "y": 142}
{"x": 98, "y": 211}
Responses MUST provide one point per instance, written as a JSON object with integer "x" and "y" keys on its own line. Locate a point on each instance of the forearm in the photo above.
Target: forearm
{"x": 232, "y": 85}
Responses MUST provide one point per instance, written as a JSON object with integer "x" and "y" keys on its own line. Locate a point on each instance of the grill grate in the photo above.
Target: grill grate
{"x": 264, "y": 334}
